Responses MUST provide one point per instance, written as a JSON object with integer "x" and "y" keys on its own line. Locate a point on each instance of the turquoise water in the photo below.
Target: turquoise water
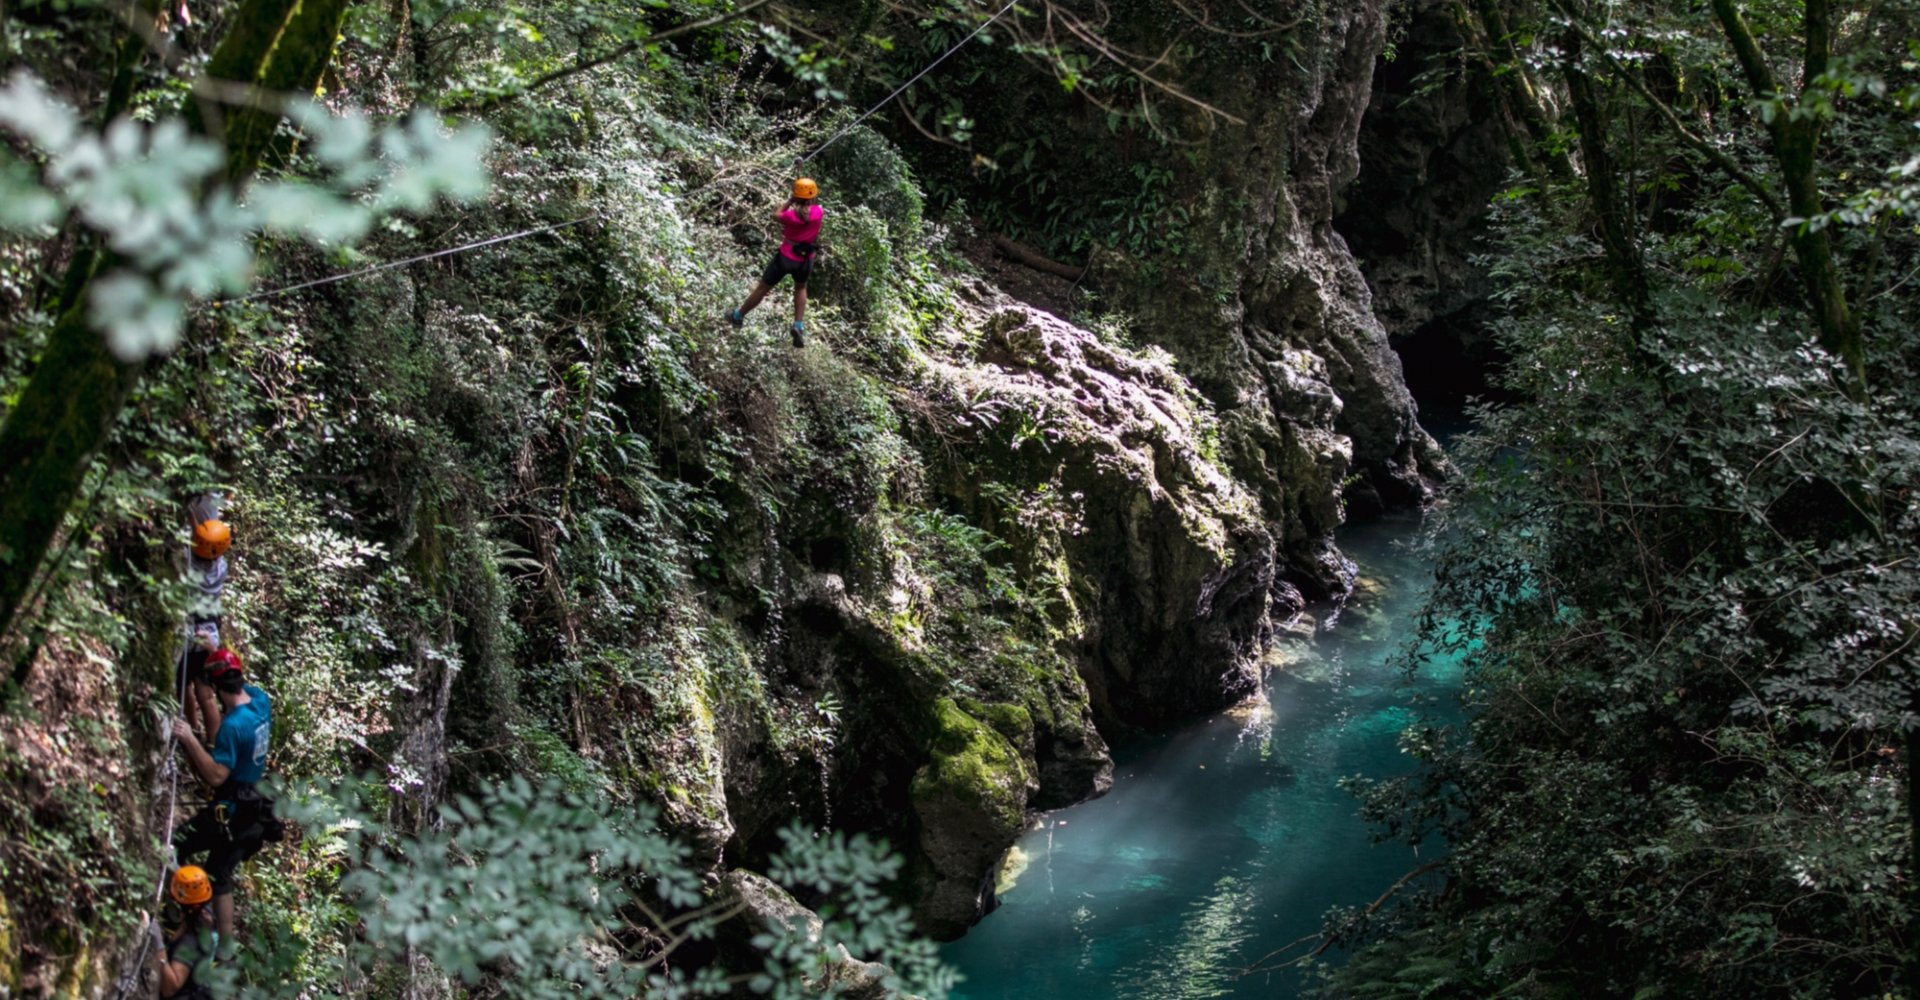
{"x": 1229, "y": 838}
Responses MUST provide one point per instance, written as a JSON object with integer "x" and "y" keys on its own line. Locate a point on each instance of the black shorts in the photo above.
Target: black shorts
{"x": 781, "y": 266}
{"x": 226, "y": 846}
{"x": 196, "y": 667}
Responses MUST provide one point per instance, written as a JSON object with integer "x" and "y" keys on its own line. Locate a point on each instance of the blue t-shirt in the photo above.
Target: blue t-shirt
{"x": 241, "y": 744}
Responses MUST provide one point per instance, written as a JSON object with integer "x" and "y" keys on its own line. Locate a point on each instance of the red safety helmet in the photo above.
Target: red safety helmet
{"x": 222, "y": 662}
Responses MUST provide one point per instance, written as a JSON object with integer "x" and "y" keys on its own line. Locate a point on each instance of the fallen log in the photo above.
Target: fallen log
{"x": 1034, "y": 259}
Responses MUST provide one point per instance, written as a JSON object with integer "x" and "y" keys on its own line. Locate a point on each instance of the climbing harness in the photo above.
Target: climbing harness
{"x": 592, "y": 216}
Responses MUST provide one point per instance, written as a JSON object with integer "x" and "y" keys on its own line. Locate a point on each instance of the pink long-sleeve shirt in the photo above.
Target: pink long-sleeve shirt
{"x": 799, "y": 229}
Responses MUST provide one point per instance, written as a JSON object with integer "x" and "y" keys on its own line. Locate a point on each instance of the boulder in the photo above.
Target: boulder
{"x": 766, "y": 908}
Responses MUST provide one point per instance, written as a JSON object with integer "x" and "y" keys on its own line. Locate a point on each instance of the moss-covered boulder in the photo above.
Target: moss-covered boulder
{"x": 970, "y": 800}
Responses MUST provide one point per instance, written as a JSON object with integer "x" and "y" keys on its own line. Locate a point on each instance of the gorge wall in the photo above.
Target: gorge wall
{"x": 1203, "y": 484}
{"x": 898, "y": 582}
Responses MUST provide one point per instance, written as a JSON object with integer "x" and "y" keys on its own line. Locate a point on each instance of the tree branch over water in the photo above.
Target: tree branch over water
{"x": 1260, "y": 964}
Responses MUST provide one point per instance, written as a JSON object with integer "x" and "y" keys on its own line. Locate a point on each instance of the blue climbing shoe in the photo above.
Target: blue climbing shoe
{"x": 799, "y": 333}
{"x": 736, "y": 317}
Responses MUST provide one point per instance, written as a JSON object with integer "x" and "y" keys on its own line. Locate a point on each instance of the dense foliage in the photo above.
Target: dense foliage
{"x": 1681, "y": 567}
{"x": 522, "y": 528}
{"x": 480, "y": 503}
{"x": 565, "y": 898}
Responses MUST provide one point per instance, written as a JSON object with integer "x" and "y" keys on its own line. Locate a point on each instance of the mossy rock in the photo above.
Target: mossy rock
{"x": 970, "y": 799}
{"x": 74, "y": 963}
{"x": 1012, "y": 722}
{"x": 9, "y": 951}
{"x": 972, "y": 763}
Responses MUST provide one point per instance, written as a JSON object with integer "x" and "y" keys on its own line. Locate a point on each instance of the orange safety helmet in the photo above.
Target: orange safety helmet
{"x": 806, "y": 188}
{"x": 191, "y": 886}
{"x": 211, "y": 539}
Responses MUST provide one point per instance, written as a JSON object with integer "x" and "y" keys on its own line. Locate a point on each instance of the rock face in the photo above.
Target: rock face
{"x": 1170, "y": 566}
{"x": 1274, "y": 320}
{"x": 1136, "y": 555}
{"x": 970, "y": 799}
{"x": 1164, "y": 506}
{"x": 1432, "y": 155}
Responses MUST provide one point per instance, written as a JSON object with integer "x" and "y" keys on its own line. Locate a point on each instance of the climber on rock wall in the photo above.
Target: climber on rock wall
{"x": 238, "y": 820}
{"x": 178, "y": 960}
{"x": 207, "y": 574}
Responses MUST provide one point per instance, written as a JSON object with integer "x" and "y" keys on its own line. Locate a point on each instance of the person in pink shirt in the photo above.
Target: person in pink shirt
{"x": 800, "y": 224}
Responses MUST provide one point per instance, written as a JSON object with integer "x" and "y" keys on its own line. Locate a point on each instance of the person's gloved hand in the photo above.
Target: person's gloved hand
{"x": 153, "y": 932}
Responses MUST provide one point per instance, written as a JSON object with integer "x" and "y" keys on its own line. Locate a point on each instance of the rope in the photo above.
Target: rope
{"x": 390, "y": 265}
{"x": 131, "y": 977}
{"x": 817, "y": 150}
{"x": 522, "y": 234}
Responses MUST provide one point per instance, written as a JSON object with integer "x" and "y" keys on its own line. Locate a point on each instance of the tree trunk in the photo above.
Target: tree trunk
{"x": 67, "y": 410}
{"x": 1625, "y": 269}
{"x": 1516, "y": 85}
{"x": 49, "y": 440}
{"x": 1796, "y": 143}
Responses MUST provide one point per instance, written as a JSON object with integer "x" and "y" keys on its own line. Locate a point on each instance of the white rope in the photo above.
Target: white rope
{"x": 390, "y": 265}
{"x": 522, "y": 234}
{"x": 817, "y": 150}
{"x": 131, "y": 977}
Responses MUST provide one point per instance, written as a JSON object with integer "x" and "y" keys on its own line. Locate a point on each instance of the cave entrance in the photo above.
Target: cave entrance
{"x": 1448, "y": 361}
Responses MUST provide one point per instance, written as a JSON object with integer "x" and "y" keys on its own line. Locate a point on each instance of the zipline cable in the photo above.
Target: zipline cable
{"x": 524, "y": 233}
{"x": 817, "y": 150}
{"x": 390, "y": 265}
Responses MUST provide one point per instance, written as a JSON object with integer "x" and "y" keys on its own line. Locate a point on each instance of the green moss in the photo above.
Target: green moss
{"x": 73, "y": 958}
{"x": 548, "y": 754}
{"x": 1012, "y": 722}
{"x": 970, "y": 762}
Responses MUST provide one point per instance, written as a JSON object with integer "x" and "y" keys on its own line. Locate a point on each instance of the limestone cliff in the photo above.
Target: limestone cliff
{"x": 573, "y": 527}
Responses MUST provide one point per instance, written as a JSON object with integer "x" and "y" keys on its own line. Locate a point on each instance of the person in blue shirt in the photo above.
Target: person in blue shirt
{"x": 239, "y": 820}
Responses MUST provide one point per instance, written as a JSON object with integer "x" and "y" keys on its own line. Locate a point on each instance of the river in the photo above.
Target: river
{"x": 1230, "y": 837}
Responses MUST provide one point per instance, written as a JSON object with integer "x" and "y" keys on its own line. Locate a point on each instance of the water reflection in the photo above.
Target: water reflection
{"x": 1228, "y": 838}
